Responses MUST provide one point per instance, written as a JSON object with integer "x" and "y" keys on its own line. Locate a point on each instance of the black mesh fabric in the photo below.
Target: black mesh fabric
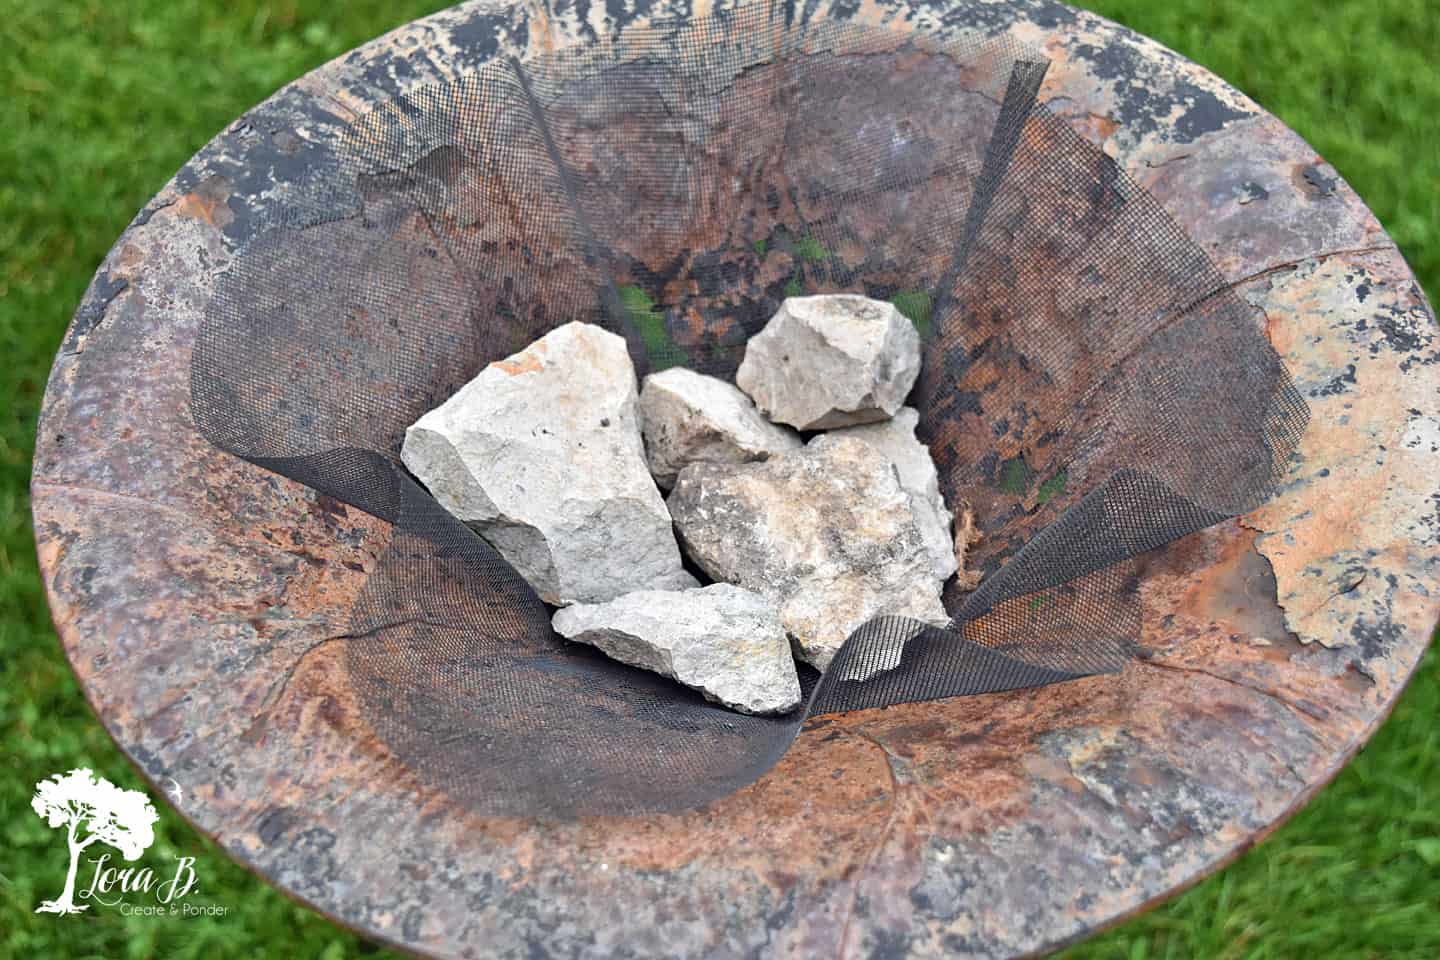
{"x": 674, "y": 185}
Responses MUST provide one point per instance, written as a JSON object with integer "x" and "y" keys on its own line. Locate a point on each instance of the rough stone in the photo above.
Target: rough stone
{"x": 826, "y": 532}
{"x": 687, "y": 417}
{"x": 541, "y": 455}
{"x": 831, "y": 361}
{"x": 896, "y": 439}
{"x": 725, "y": 641}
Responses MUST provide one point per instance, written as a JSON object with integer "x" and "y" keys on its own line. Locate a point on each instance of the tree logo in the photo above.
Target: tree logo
{"x": 91, "y": 808}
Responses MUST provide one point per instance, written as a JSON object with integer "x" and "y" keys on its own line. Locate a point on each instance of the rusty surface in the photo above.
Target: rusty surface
{"x": 196, "y": 595}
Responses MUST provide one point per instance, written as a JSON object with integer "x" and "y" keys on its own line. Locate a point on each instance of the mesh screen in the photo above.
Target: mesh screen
{"x": 674, "y": 185}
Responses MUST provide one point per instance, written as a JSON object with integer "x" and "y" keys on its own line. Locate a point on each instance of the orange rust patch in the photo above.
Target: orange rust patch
{"x": 207, "y": 202}
{"x": 1095, "y": 127}
{"x": 1237, "y": 590}
{"x": 526, "y": 362}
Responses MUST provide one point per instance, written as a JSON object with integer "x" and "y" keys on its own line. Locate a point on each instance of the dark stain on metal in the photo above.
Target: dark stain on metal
{"x": 104, "y": 288}
{"x": 479, "y": 37}
{"x": 1140, "y": 103}
{"x": 1252, "y": 191}
{"x": 273, "y": 824}
{"x": 150, "y": 209}
{"x": 1338, "y": 384}
{"x": 1315, "y": 181}
{"x": 1377, "y": 635}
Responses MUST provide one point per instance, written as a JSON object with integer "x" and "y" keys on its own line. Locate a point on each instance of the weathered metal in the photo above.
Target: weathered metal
{"x": 198, "y": 596}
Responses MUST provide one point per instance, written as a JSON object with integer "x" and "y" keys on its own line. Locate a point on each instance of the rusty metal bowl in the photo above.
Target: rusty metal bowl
{"x": 197, "y": 595}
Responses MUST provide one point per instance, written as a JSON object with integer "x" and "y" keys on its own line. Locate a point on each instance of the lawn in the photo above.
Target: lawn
{"x": 103, "y": 101}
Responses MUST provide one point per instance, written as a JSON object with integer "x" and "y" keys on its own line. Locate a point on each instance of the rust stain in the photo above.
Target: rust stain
{"x": 1093, "y": 126}
{"x": 207, "y": 202}
{"x": 1237, "y": 589}
{"x": 528, "y": 361}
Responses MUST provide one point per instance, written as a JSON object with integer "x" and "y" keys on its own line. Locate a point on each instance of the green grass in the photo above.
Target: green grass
{"x": 102, "y": 102}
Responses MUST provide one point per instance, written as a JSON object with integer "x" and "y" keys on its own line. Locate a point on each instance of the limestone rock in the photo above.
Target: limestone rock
{"x": 827, "y": 533}
{"x": 896, "y": 440}
{"x": 687, "y": 417}
{"x": 831, "y": 361}
{"x": 541, "y": 455}
{"x": 724, "y": 641}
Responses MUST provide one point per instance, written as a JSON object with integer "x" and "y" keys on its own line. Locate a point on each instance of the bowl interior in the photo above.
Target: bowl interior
{"x": 676, "y": 187}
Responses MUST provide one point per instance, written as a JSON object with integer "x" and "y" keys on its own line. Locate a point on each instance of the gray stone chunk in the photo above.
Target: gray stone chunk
{"x": 827, "y": 533}
{"x": 541, "y": 455}
{"x": 722, "y": 640}
{"x": 687, "y": 417}
{"x": 831, "y": 361}
{"x": 918, "y": 476}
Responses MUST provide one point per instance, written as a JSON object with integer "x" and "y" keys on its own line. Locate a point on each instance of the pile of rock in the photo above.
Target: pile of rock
{"x": 557, "y": 459}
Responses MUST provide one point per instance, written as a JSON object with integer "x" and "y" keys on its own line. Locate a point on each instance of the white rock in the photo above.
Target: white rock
{"x": 827, "y": 533}
{"x": 918, "y": 476}
{"x": 724, "y": 641}
{"x": 687, "y": 417}
{"x": 831, "y": 361}
{"x": 541, "y": 455}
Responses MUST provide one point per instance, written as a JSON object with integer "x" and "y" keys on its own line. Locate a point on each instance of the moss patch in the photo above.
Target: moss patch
{"x": 915, "y": 305}
{"x": 809, "y": 249}
{"x": 1052, "y": 488}
{"x": 1015, "y": 476}
{"x": 663, "y": 351}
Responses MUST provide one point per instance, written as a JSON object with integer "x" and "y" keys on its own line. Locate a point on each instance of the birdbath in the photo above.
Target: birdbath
{"x": 198, "y": 596}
